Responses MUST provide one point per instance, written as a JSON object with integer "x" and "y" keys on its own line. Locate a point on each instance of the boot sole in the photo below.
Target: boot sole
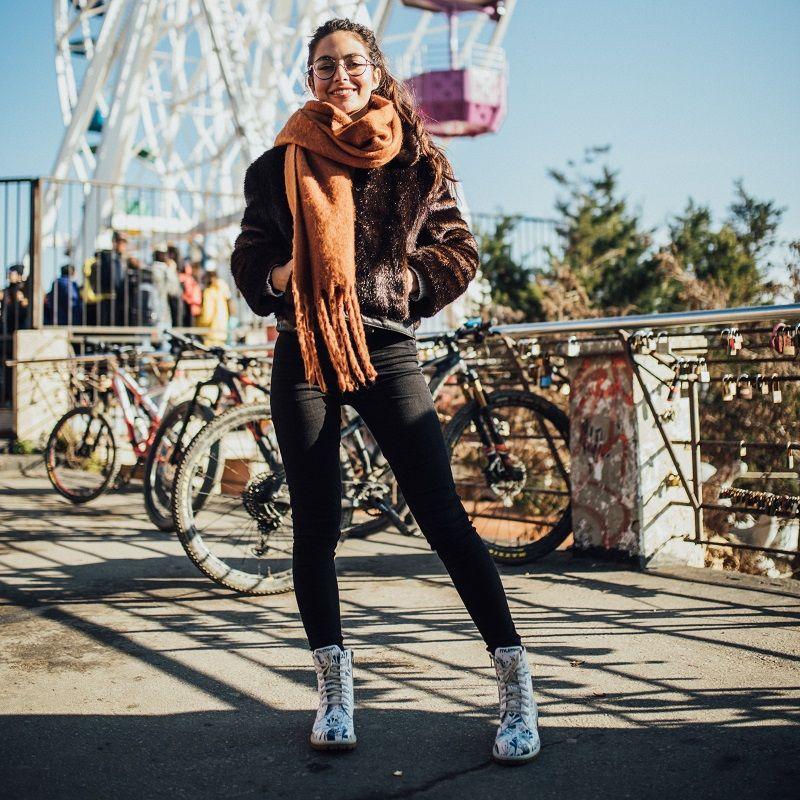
{"x": 514, "y": 762}
{"x": 349, "y": 745}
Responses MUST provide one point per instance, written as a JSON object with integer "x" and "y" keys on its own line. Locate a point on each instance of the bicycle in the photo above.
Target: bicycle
{"x": 540, "y": 518}
{"x": 241, "y": 534}
{"x": 184, "y": 421}
{"x": 82, "y": 452}
{"x": 509, "y": 450}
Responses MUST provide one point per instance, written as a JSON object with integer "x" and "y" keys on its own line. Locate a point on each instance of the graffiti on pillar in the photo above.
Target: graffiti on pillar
{"x": 603, "y": 454}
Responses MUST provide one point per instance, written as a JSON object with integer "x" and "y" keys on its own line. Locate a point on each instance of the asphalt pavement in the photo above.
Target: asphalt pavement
{"x": 125, "y": 673}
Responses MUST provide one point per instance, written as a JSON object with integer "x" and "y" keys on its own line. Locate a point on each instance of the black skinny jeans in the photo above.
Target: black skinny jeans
{"x": 398, "y": 410}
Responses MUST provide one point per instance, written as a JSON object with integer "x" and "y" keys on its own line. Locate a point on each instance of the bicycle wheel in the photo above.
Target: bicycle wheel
{"x": 519, "y": 501}
{"x": 241, "y": 534}
{"x": 363, "y": 461}
{"x": 81, "y": 455}
{"x": 160, "y": 465}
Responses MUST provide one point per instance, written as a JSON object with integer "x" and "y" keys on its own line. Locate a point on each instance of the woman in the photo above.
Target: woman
{"x": 350, "y": 235}
{"x": 215, "y": 308}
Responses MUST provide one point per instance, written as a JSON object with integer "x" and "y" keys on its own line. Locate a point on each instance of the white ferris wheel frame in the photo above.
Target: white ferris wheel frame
{"x": 201, "y": 87}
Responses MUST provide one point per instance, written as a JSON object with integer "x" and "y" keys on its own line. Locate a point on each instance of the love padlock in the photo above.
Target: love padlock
{"x": 738, "y": 340}
{"x": 792, "y": 343}
{"x": 728, "y": 340}
{"x": 703, "y": 375}
{"x": 573, "y": 347}
{"x": 779, "y": 337}
{"x": 743, "y": 387}
{"x": 662, "y": 343}
{"x": 535, "y": 348}
{"x": 643, "y": 342}
{"x": 775, "y": 386}
{"x": 728, "y": 387}
{"x": 742, "y": 449}
{"x": 761, "y": 385}
{"x": 790, "y": 455}
{"x": 546, "y": 375}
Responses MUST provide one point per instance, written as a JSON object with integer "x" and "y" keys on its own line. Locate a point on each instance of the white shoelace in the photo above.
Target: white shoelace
{"x": 334, "y": 683}
{"x": 510, "y": 690}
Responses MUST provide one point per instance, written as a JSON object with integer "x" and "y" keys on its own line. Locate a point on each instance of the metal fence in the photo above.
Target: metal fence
{"x": 733, "y": 375}
{"x": 528, "y": 238}
{"x": 65, "y": 266}
{"x": 18, "y": 211}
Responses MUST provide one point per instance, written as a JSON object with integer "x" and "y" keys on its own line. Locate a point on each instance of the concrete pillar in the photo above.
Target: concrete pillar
{"x": 624, "y": 487}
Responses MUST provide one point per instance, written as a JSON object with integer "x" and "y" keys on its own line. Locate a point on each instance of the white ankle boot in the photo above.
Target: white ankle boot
{"x": 333, "y": 727}
{"x": 517, "y": 738}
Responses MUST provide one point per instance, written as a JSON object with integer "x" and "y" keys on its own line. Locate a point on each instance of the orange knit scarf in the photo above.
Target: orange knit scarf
{"x": 324, "y": 144}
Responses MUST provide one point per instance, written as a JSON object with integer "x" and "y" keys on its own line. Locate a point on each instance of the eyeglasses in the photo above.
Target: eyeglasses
{"x": 324, "y": 68}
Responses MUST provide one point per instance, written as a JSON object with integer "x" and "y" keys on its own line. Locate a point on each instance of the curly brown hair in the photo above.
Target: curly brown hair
{"x": 394, "y": 90}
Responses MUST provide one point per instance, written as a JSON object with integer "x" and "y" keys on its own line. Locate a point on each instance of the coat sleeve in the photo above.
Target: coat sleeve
{"x": 446, "y": 256}
{"x": 259, "y": 247}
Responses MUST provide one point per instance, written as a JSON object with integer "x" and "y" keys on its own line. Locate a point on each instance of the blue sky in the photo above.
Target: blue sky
{"x": 690, "y": 95}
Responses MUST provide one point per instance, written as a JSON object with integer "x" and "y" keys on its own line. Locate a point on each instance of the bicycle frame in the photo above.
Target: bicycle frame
{"x": 132, "y": 397}
{"x": 221, "y": 378}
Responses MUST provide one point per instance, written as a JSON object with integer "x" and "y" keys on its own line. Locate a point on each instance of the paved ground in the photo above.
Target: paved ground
{"x": 126, "y": 674}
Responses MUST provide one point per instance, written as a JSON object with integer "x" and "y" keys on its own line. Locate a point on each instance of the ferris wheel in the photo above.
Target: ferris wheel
{"x": 185, "y": 94}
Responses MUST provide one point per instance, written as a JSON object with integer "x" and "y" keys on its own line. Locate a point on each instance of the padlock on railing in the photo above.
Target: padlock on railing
{"x": 743, "y": 387}
{"x": 782, "y": 340}
{"x": 703, "y": 375}
{"x": 642, "y": 342}
{"x": 775, "y": 386}
{"x": 761, "y": 385}
{"x": 742, "y": 449}
{"x": 573, "y": 347}
{"x": 546, "y": 374}
{"x": 790, "y": 455}
{"x": 534, "y": 349}
{"x": 727, "y": 340}
{"x": 728, "y": 387}
{"x": 662, "y": 343}
{"x": 674, "y": 388}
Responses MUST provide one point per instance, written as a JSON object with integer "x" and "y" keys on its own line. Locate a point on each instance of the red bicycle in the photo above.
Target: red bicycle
{"x": 83, "y": 451}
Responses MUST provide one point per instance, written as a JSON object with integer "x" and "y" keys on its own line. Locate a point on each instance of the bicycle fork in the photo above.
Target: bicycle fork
{"x": 500, "y": 466}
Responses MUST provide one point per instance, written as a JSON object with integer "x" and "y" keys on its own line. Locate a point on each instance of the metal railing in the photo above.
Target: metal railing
{"x": 742, "y": 403}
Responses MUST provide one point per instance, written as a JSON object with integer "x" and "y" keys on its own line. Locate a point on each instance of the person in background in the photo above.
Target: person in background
{"x": 141, "y": 309}
{"x": 215, "y": 310}
{"x": 167, "y": 285}
{"x": 192, "y": 296}
{"x": 103, "y": 280}
{"x": 62, "y": 304}
{"x": 14, "y": 308}
{"x": 175, "y": 262}
{"x": 13, "y": 317}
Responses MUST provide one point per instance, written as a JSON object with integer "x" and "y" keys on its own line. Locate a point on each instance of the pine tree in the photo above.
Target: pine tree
{"x": 514, "y": 294}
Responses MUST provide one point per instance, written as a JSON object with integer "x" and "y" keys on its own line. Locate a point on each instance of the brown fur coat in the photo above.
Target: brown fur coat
{"x": 397, "y": 223}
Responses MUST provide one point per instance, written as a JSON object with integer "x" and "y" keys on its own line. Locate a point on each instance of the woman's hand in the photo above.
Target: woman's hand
{"x": 281, "y": 275}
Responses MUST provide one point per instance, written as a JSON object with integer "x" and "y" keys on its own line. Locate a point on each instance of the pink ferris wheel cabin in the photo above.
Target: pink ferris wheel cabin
{"x": 460, "y": 94}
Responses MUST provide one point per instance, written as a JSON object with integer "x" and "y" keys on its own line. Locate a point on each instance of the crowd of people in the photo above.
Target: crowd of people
{"x": 167, "y": 290}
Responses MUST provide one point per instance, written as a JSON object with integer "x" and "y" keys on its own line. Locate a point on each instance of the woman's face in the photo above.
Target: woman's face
{"x": 350, "y": 93}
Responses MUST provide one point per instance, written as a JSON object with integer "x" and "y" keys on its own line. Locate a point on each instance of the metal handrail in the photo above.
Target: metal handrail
{"x": 673, "y": 319}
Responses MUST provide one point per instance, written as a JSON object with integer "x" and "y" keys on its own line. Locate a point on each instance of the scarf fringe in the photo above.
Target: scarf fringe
{"x": 352, "y": 365}
{"x": 308, "y": 345}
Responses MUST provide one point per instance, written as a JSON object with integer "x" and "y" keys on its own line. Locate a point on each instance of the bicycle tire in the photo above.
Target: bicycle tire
{"x": 560, "y": 530}
{"x": 158, "y": 495}
{"x": 51, "y": 453}
{"x": 209, "y": 550}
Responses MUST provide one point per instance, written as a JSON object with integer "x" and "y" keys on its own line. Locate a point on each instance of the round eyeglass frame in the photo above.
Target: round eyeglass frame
{"x": 338, "y": 61}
